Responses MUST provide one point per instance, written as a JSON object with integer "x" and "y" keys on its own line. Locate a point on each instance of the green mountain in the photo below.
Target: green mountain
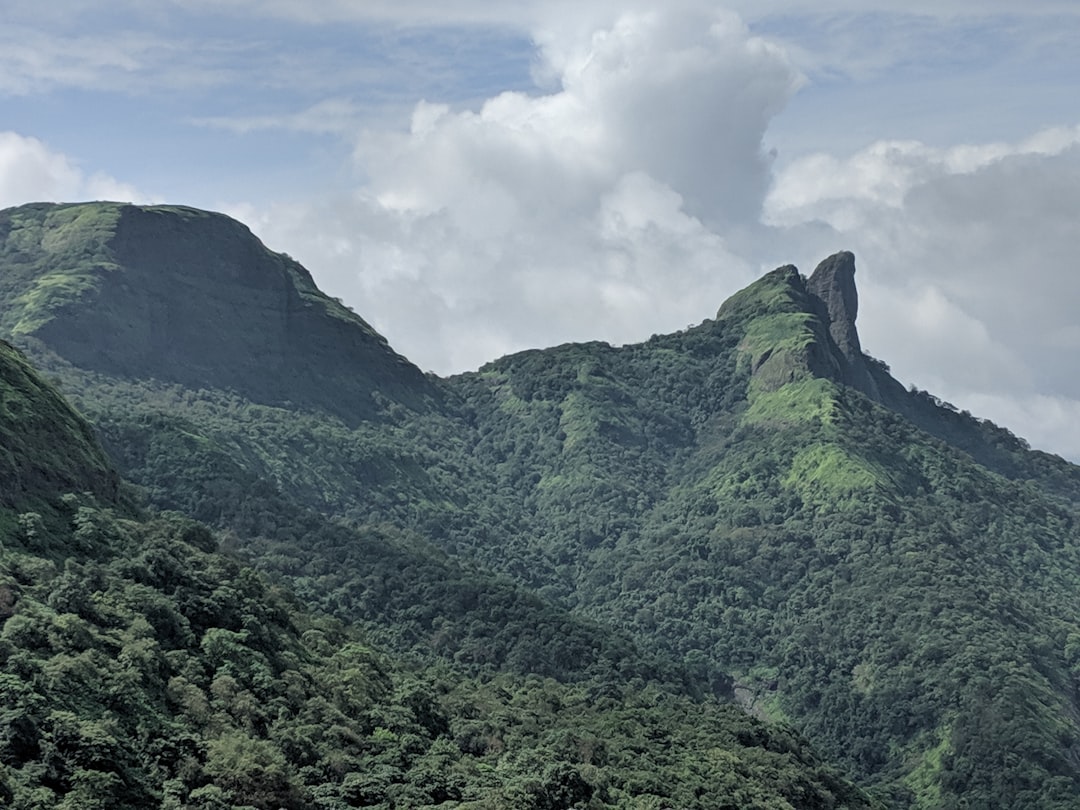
{"x": 43, "y": 445}
{"x": 752, "y": 507}
{"x": 141, "y": 668}
{"x": 189, "y": 297}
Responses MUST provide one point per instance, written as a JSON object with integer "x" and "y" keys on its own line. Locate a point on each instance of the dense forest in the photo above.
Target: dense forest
{"x": 746, "y": 519}
{"x": 142, "y": 668}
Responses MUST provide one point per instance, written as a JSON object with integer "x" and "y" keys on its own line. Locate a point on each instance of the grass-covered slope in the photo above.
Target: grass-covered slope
{"x": 140, "y": 668}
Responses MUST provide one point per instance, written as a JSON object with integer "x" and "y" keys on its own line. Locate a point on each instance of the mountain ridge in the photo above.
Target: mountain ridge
{"x": 194, "y": 298}
{"x": 753, "y": 497}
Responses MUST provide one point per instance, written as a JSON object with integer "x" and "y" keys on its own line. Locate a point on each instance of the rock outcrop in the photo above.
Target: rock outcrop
{"x": 833, "y": 283}
{"x": 832, "y": 286}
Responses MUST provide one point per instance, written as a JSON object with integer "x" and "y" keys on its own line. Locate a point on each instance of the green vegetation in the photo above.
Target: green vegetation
{"x": 599, "y": 537}
{"x": 142, "y": 668}
{"x": 43, "y": 444}
{"x": 809, "y": 401}
{"x": 53, "y": 258}
{"x": 827, "y": 476}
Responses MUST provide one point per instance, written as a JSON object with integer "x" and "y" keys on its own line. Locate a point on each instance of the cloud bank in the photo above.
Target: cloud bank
{"x": 606, "y": 207}
{"x": 969, "y": 257}
{"x": 30, "y": 171}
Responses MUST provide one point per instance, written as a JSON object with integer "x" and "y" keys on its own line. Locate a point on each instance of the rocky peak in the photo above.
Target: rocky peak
{"x": 833, "y": 284}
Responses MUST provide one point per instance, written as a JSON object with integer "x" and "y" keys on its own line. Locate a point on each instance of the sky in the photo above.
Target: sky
{"x": 475, "y": 178}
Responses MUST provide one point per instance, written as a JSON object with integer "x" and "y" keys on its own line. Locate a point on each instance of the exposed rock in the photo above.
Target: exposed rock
{"x": 833, "y": 283}
{"x": 832, "y": 286}
{"x": 191, "y": 297}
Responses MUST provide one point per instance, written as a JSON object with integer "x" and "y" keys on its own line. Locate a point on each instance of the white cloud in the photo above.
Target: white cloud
{"x": 590, "y": 211}
{"x": 31, "y": 172}
{"x": 843, "y": 191}
{"x": 33, "y": 60}
{"x": 335, "y": 116}
{"x": 968, "y": 259}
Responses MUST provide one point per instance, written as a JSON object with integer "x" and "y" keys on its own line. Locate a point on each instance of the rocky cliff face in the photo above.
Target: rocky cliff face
{"x": 192, "y": 297}
{"x": 832, "y": 285}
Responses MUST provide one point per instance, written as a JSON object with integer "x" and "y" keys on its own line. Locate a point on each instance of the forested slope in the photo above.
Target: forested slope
{"x": 141, "y": 668}
{"x": 751, "y": 505}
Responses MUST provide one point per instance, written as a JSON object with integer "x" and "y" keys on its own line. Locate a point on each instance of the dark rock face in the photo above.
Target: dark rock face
{"x": 194, "y": 298}
{"x": 832, "y": 286}
{"x": 833, "y": 283}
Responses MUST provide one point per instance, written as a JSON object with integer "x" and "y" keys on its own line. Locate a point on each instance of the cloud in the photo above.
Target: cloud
{"x": 328, "y": 117}
{"x": 967, "y": 260}
{"x": 31, "y": 172}
{"x": 1048, "y": 421}
{"x": 31, "y": 61}
{"x": 592, "y": 210}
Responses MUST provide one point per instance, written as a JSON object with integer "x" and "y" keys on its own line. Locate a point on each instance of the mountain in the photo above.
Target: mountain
{"x": 141, "y": 668}
{"x": 44, "y": 447}
{"x": 754, "y": 502}
{"x": 189, "y": 297}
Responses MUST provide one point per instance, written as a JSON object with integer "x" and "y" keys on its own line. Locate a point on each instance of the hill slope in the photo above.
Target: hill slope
{"x": 752, "y": 497}
{"x": 189, "y": 297}
{"x": 728, "y": 493}
{"x": 139, "y": 668}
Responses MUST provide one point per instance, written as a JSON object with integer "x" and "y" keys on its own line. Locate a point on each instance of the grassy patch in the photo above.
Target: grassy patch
{"x": 578, "y": 421}
{"x": 48, "y": 296}
{"x": 52, "y": 256}
{"x": 804, "y": 402}
{"x": 778, "y": 291}
{"x": 828, "y": 475}
{"x": 925, "y": 779}
{"x": 769, "y": 334}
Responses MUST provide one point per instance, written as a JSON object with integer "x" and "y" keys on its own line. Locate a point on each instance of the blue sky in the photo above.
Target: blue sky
{"x": 476, "y": 178}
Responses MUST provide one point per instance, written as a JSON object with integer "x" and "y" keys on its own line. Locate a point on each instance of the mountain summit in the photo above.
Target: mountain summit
{"x": 833, "y": 284}
{"x": 194, "y": 298}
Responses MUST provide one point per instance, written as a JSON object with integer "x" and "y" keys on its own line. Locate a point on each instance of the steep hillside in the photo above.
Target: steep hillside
{"x": 139, "y": 668}
{"x": 44, "y": 447}
{"x": 753, "y": 498}
{"x": 740, "y": 494}
{"x": 189, "y": 297}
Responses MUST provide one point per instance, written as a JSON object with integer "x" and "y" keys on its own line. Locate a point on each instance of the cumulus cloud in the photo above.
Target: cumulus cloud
{"x": 630, "y": 193}
{"x": 592, "y": 210}
{"x": 968, "y": 259}
{"x": 31, "y": 172}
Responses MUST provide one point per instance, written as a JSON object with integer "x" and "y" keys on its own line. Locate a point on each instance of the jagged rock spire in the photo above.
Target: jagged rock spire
{"x": 833, "y": 286}
{"x": 833, "y": 283}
